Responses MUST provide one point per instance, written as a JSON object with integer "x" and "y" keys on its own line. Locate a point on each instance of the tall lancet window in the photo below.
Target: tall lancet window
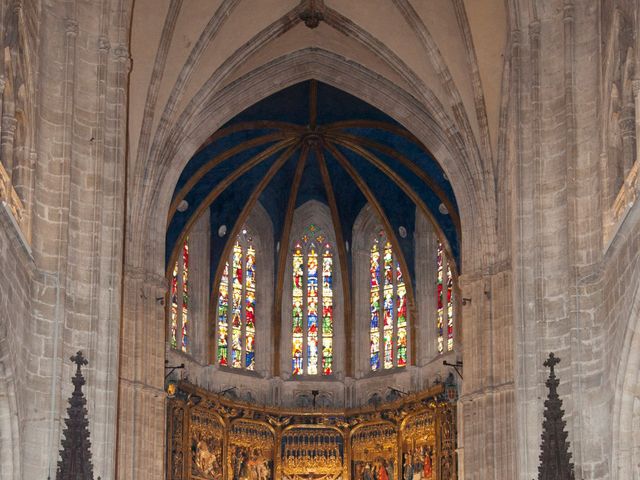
{"x": 388, "y": 302}
{"x": 237, "y": 306}
{"x": 180, "y": 300}
{"x": 312, "y": 307}
{"x": 444, "y": 301}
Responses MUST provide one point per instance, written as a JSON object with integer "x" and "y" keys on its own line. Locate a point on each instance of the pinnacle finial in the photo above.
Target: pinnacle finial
{"x": 79, "y": 359}
{"x": 75, "y": 454}
{"x": 551, "y": 362}
{"x": 555, "y": 458}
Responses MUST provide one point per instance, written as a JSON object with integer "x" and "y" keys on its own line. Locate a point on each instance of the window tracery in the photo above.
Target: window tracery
{"x": 236, "y": 315}
{"x": 312, "y": 307}
{"x": 387, "y": 299}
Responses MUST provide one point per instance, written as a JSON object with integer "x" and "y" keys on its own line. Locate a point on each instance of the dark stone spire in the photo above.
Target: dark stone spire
{"x": 75, "y": 455}
{"x": 555, "y": 459}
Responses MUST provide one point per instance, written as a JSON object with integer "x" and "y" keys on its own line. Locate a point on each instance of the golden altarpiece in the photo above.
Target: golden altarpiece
{"x": 211, "y": 437}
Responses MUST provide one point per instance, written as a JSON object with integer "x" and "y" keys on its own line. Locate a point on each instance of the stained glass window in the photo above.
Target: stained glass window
{"x": 237, "y": 318}
{"x": 179, "y": 300}
{"x": 444, "y": 301}
{"x": 387, "y": 299}
{"x": 312, "y": 305}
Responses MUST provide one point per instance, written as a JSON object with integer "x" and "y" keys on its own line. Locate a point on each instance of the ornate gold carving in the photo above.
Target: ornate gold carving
{"x": 206, "y": 433}
{"x": 624, "y": 201}
{"x": 10, "y": 198}
{"x": 175, "y": 456}
{"x": 313, "y": 451}
{"x": 222, "y": 439}
{"x": 251, "y": 451}
{"x": 447, "y": 463}
{"x": 419, "y": 446}
{"x": 374, "y": 451}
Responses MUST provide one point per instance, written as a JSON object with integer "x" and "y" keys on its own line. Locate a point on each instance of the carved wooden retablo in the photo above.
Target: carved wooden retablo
{"x": 215, "y": 438}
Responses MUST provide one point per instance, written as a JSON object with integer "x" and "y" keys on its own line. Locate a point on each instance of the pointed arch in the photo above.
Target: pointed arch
{"x": 241, "y": 300}
{"x": 312, "y": 301}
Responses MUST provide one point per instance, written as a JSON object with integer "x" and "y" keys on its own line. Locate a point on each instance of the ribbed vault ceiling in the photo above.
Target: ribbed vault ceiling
{"x": 313, "y": 142}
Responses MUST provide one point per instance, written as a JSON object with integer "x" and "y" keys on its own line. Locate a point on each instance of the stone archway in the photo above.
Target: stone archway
{"x": 141, "y": 424}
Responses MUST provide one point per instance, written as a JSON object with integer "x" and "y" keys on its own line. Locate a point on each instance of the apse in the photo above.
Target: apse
{"x": 313, "y": 142}
{"x": 330, "y": 238}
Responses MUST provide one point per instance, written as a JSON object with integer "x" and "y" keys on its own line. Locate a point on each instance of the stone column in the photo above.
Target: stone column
{"x": 200, "y": 324}
{"x": 426, "y": 251}
{"x": 141, "y": 400}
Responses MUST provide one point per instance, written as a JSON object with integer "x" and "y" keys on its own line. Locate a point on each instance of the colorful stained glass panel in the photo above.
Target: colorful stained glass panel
{"x": 236, "y": 308}
{"x": 312, "y": 312}
{"x": 297, "y": 312}
{"x": 250, "y": 308}
{"x": 174, "y": 306}
{"x": 388, "y": 307}
{"x": 439, "y": 297}
{"x": 185, "y": 295}
{"x": 374, "y": 304}
{"x": 327, "y": 313}
{"x": 223, "y": 317}
{"x": 401, "y": 308}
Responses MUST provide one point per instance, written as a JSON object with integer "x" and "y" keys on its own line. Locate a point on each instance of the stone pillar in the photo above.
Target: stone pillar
{"x": 77, "y": 243}
{"x": 426, "y": 249}
{"x": 487, "y": 405}
{"x": 141, "y": 399}
{"x": 200, "y": 324}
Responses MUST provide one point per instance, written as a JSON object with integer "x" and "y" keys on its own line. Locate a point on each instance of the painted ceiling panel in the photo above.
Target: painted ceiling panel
{"x": 398, "y": 208}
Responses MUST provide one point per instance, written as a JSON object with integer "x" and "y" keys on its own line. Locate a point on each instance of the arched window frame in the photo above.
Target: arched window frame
{"x": 317, "y": 213}
{"x": 235, "y": 308}
{"x": 258, "y": 224}
{"x": 388, "y": 320}
{"x": 312, "y": 317}
{"x": 366, "y": 228}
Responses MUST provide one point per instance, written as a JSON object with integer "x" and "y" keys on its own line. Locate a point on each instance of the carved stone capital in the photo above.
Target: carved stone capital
{"x": 103, "y": 44}
{"x": 9, "y": 124}
{"x": 516, "y": 38}
{"x": 71, "y": 27}
{"x": 569, "y": 12}
{"x": 17, "y": 7}
{"x": 534, "y": 30}
{"x": 121, "y": 52}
